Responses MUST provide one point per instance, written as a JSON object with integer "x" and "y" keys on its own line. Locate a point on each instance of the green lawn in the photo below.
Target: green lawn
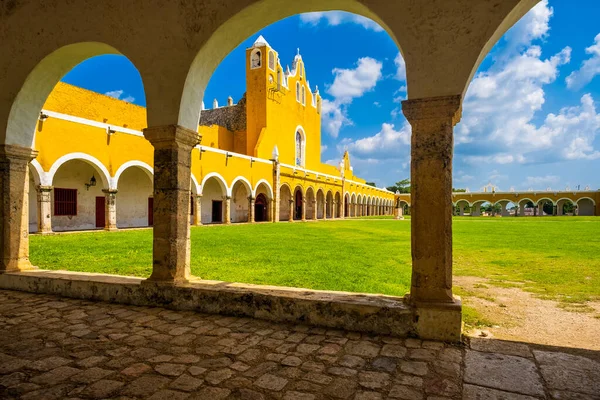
{"x": 555, "y": 257}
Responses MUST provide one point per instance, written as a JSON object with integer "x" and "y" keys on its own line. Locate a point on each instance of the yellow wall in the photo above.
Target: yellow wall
{"x": 59, "y": 135}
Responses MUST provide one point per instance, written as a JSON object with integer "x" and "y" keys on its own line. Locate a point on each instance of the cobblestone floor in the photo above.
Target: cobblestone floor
{"x": 56, "y": 348}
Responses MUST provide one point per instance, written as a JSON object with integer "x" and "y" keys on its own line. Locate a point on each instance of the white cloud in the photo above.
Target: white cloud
{"x": 589, "y": 68}
{"x": 352, "y": 83}
{"x": 461, "y": 176}
{"x": 347, "y": 85}
{"x": 537, "y": 181}
{"x": 117, "y": 95}
{"x": 533, "y": 26}
{"x": 400, "y": 68}
{"x": 323, "y": 148}
{"x": 335, "y": 18}
{"x": 388, "y": 143}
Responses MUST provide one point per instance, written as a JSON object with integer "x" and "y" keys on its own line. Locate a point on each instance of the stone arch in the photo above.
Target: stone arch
{"x": 329, "y": 208}
{"x": 240, "y": 192}
{"x": 218, "y": 178}
{"x": 239, "y": 27}
{"x": 195, "y": 187}
{"x": 134, "y": 163}
{"x": 310, "y": 203}
{"x": 321, "y": 204}
{"x": 586, "y": 198}
{"x": 585, "y": 206}
{"x": 543, "y": 199}
{"x": 214, "y": 192}
{"x": 88, "y": 159}
{"x": 267, "y": 186}
{"x": 26, "y": 107}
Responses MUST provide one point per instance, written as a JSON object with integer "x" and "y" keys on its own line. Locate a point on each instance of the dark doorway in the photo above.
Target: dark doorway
{"x": 260, "y": 208}
{"x": 346, "y": 207}
{"x": 298, "y": 203}
{"x": 100, "y": 212}
{"x": 150, "y": 211}
{"x": 217, "y": 211}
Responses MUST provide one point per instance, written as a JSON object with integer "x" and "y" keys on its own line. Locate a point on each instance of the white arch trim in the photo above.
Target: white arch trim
{"x": 195, "y": 186}
{"x": 267, "y": 184}
{"x": 134, "y": 163}
{"x": 506, "y": 200}
{"x": 246, "y": 183}
{"x": 103, "y": 171}
{"x": 565, "y": 198}
{"x": 41, "y": 177}
{"x": 585, "y": 198}
{"x": 524, "y": 200}
{"x": 545, "y": 198}
{"x": 219, "y": 179}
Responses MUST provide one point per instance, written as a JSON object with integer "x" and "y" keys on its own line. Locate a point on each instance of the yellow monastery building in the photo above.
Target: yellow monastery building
{"x": 259, "y": 159}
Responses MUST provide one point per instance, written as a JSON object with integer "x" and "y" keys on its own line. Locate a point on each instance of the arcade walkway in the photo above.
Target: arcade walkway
{"x": 55, "y": 348}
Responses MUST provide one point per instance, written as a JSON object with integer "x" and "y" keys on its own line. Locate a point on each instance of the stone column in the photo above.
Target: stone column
{"x": 315, "y": 211}
{"x": 461, "y": 209}
{"x": 198, "y": 210}
{"x": 110, "y": 209}
{"x": 292, "y": 211}
{"x": 227, "y": 210}
{"x": 334, "y": 210}
{"x": 14, "y": 207}
{"x": 173, "y": 146}
{"x": 251, "y": 201}
{"x": 44, "y": 209}
{"x": 432, "y": 121}
{"x": 276, "y": 191}
{"x": 304, "y": 208}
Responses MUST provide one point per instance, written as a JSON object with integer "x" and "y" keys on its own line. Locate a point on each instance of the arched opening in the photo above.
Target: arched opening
{"x": 135, "y": 188}
{"x": 565, "y": 207}
{"x": 545, "y": 207}
{"x": 240, "y": 198}
{"x": 462, "y": 208}
{"x": 261, "y": 208}
{"x": 321, "y": 212}
{"x": 298, "y": 203}
{"x": 78, "y": 198}
{"x": 338, "y": 205}
{"x": 585, "y": 207}
{"x": 300, "y": 148}
{"x": 330, "y": 211}
{"x": 286, "y": 205}
{"x": 263, "y": 203}
{"x": 346, "y": 205}
{"x": 214, "y": 193}
{"x": 311, "y": 205}
{"x": 352, "y": 206}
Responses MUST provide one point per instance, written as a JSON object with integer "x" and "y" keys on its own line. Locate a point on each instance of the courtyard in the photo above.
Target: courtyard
{"x": 549, "y": 262}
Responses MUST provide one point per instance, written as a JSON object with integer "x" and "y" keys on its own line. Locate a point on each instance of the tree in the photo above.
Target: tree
{"x": 458, "y": 190}
{"x": 371, "y": 184}
{"x": 403, "y": 186}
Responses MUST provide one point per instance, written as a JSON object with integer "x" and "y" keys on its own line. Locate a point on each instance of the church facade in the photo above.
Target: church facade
{"x": 259, "y": 160}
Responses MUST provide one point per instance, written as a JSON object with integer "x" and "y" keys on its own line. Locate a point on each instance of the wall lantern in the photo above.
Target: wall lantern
{"x": 43, "y": 116}
{"x": 92, "y": 183}
{"x": 109, "y": 131}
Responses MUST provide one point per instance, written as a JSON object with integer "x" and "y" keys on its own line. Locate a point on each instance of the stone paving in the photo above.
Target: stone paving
{"x": 57, "y": 348}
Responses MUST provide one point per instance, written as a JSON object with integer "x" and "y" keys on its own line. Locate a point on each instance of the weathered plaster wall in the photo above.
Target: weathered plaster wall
{"x": 73, "y": 175}
{"x": 239, "y": 203}
{"x": 135, "y": 187}
{"x": 211, "y": 191}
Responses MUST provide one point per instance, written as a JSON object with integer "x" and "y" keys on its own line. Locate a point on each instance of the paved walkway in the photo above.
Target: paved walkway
{"x": 55, "y": 348}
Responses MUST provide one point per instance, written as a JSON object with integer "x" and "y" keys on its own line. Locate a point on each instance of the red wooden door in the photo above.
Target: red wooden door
{"x": 100, "y": 212}
{"x": 150, "y": 211}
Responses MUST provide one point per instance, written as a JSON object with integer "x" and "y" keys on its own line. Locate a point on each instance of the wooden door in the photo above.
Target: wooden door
{"x": 100, "y": 212}
{"x": 150, "y": 211}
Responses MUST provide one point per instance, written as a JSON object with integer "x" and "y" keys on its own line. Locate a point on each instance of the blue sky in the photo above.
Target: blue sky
{"x": 531, "y": 116}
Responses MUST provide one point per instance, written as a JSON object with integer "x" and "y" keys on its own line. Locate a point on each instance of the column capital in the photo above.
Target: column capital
{"x": 17, "y": 153}
{"x": 42, "y": 188}
{"x": 167, "y": 135}
{"x": 226, "y": 197}
{"x": 433, "y": 108}
{"x": 251, "y": 198}
{"x": 110, "y": 191}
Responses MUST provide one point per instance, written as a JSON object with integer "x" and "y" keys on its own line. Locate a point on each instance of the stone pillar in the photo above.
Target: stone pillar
{"x": 14, "y": 207}
{"x": 276, "y": 192}
{"x": 461, "y": 210}
{"x": 504, "y": 212}
{"x": 535, "y": 211}
{"x": 251, "y": 201}
{"x": 334, "y": 209}
{"x": 304, "y": 208}
{"x": 559, "y": 209}
{"x": 292, "y": 210}
{"x": 110, "y": 209}
{"x": 198, "y": 210}
{"x": 227, "y": 209}
{"x": 432, "y": 121}
{"x": 173, "y": 146}
{"x": 44, "y": 209}
{"x": 315, "y": 211}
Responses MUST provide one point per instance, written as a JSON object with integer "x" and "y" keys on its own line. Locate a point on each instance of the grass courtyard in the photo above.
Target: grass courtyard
{"x": 556, "y": 258}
